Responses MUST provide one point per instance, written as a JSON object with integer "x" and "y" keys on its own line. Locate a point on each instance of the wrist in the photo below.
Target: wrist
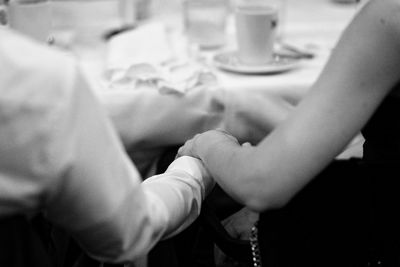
{"x": 217, "y": 149}
{"x": 194, "y": 168}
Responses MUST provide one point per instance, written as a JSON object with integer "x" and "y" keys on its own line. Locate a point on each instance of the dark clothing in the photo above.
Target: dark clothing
{"x": 382, "y": 132}
{"x": 346, "y": 216}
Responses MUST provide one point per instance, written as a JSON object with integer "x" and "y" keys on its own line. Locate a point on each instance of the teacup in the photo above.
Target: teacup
{"x": 256, "y": 27}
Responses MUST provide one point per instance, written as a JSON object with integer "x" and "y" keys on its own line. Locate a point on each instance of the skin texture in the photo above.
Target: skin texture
{"x": 362, "y": 69}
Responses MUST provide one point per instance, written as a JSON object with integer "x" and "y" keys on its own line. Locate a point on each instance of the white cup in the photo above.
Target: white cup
{"x": 256, "y": 27}
{"x": 31, "y": 18}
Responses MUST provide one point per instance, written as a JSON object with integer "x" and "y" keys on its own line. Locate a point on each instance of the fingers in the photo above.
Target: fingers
{"x": 226, "y": 134}
{"x": 206, "y": 138}
{"x": 186, "y": 149}
{"x": 181, "y": 151}
{"x": 222, "y": 131}
{"x": 246, "y": 144}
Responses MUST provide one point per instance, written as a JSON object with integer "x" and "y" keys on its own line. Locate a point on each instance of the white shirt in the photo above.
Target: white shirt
{"x": 60, "y": 154}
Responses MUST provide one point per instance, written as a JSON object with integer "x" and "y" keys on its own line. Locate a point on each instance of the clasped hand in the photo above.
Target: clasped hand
{"x": 201, "y": 143}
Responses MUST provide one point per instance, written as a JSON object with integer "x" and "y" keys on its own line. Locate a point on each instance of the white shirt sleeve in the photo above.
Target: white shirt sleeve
{"x": 61, "y": 154}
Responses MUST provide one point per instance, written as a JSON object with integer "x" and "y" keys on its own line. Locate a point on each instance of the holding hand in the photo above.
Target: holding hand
{"x": 200, "y": 143}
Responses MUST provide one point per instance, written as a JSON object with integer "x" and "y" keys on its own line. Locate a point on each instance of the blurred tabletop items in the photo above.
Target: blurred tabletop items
{"x": 200, "y": 31}
{"x": 177, "y": 45}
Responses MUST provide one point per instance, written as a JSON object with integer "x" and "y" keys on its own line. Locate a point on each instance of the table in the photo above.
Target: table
{"x": 148, "y": 121}
{"x": 312, "y": 24}
{"x": 316, "y": 31}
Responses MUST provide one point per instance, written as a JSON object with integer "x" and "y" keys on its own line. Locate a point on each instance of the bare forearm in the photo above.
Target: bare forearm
{"x": 231, "y": 167}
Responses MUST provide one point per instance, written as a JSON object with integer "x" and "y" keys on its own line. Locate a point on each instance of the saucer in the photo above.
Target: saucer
{"x": 229, "y": 61}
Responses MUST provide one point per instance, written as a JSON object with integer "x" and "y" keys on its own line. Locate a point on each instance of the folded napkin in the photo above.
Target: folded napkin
{"x": 145, "y": 57}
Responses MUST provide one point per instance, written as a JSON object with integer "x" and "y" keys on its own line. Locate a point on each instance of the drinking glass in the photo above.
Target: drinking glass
{"x": 32, "y": 18}
{"x": 205, "y": 22}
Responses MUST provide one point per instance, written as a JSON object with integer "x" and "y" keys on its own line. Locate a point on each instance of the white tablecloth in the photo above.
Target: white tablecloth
{"x": 148, "y": 120}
